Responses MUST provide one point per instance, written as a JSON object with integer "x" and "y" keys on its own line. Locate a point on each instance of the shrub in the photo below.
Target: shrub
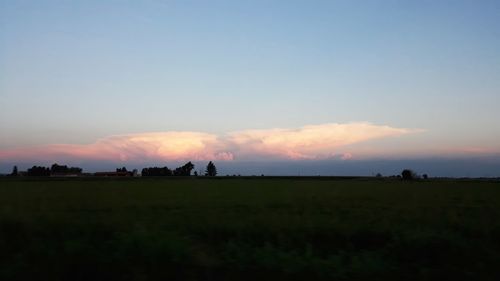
{"x": 408, "y": 174}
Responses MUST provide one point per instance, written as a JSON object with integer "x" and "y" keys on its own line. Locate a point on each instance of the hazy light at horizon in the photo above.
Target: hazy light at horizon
{"x": 312, "y": 142}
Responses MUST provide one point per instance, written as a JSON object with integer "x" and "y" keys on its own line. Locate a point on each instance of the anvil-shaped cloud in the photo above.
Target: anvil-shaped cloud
{"x": 308, "y": 142}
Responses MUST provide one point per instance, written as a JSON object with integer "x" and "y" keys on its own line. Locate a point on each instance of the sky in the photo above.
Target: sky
{"x": 106, "y": 83}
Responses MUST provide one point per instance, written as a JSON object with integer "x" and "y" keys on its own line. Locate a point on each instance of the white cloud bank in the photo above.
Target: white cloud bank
{"x": 308, "y": 142}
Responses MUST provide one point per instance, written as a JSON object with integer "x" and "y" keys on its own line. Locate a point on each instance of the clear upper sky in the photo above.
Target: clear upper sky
{"x": 73, "y": 72}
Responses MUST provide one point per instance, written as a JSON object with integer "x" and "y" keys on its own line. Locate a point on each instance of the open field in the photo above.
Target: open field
{"x": 244, "y": 229}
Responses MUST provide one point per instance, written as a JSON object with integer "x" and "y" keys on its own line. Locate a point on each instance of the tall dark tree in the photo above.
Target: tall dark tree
{"x": 211, "y": 170}
{"x": 14, "y": 172}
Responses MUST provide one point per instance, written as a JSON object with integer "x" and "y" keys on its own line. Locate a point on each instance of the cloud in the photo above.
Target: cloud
{"x": 346, "y": 156}
{"x": 308, "y": 142}
{"x": 135, "y": 147}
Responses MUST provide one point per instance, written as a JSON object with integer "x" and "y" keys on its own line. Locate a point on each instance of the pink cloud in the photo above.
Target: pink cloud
{"x": 308, "y": 142}
{"x": 136, "y": 147}
{"x": 346, "y": 156}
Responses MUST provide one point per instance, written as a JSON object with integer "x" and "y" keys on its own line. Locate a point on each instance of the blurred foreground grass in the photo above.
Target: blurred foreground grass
{"x": 244, "y": 229}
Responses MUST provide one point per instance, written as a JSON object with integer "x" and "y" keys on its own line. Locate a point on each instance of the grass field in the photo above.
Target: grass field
{"x": 248, "y": 229}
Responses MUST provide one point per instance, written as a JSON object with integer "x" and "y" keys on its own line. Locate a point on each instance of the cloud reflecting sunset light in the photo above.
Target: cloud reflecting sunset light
{"x": 308, "y": 142}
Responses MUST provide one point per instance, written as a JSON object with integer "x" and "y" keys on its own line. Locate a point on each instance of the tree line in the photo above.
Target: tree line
{"x": 55, "y": 169}
{"x": 184, "y": 170}
{"x": 64, "y": 170}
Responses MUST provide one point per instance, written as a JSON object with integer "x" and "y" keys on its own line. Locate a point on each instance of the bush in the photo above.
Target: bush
{"x": 408, "y": 174}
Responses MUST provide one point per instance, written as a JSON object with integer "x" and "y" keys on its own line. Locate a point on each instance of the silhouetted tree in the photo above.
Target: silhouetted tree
{"x": 123, "y": 169}
{"x": 195, "y": 173}
{"x": 408, "y": 174}
{"x": 63, "y": 169}
{"x": 14, "y": 171}
{"x": 156, "y": 172}
{"x": 211, "y": 170}
{"x": 58, "y": 169}
{"x": 185, "y": 170}
{"x": 425, "y": 176}
{"x": 38, "y": 171}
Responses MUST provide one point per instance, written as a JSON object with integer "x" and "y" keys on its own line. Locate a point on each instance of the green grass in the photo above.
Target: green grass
{"x": 248, "y": 229}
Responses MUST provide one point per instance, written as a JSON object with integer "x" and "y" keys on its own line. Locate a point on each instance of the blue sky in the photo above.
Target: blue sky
{"x": 75, "y": 72}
